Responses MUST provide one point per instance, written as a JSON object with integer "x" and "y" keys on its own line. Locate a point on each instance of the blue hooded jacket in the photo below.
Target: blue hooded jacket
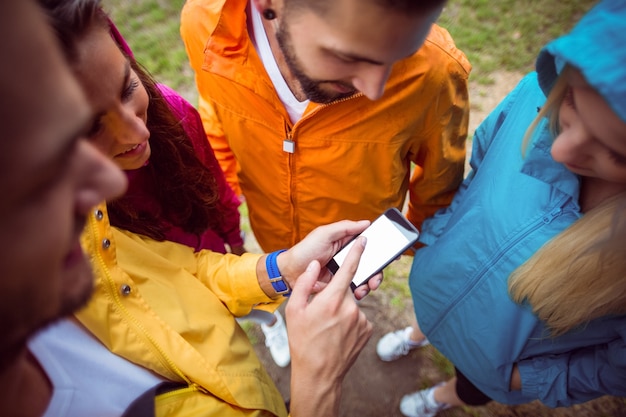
{"x": 508, "y": 206}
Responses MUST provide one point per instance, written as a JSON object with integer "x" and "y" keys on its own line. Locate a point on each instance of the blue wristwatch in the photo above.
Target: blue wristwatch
{"x": 276, "y": 279}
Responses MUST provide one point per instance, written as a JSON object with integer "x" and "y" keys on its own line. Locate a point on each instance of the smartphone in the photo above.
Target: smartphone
{"x": 387, "y": 238}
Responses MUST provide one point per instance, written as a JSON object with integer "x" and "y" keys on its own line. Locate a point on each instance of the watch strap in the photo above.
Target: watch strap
{"x": 276, "y": 279}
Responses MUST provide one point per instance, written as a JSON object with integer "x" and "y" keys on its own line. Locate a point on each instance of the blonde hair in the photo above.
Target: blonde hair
{"x": 549, "y": 110}
{"x": 580, "y": 275}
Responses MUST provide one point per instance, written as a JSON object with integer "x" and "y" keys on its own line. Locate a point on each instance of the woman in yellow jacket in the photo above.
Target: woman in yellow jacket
{"x": 172, "y": 311}
{"x": 167, "y": 314}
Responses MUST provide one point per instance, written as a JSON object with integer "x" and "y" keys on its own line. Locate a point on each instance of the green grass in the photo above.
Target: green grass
{"x": 245, "y": 224}
{"x": 395, "y": 283}
{"x": 248, "y": 327}
{"x": 508, "y": 34}
{"x": 151, "y": 28}
{"x": 441, "y": 362}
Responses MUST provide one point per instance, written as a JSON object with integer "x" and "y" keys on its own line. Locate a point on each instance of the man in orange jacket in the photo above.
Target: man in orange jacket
{"x": 326, "y": 110}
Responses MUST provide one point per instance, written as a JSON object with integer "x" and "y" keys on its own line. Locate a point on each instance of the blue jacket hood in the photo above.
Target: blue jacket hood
{"x": 597, "y": 47}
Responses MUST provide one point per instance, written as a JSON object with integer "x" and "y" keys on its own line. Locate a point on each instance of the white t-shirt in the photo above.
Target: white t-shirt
{"x": 294, "y": 108}
{"x": 87, "y": 379}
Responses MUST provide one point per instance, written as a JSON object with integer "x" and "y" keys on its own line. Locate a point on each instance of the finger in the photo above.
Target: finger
{"x": 319, "y": 286}
{"x": 361, "y": 292}
{"x": 372, "y": 284}
{"x": 375, "y": 281}
{"x": 343, "y": 277}
{"x": 305, "y": 285}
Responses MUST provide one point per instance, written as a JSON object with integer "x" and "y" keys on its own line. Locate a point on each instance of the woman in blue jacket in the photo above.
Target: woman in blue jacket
{"x": 513, "y": 201}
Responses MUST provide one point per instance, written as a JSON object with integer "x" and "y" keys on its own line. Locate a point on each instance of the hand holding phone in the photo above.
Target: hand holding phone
{"x": 387, "y": 238}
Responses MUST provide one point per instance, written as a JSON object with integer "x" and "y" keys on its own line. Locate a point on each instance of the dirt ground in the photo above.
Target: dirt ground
{"x": 374, "y": 388}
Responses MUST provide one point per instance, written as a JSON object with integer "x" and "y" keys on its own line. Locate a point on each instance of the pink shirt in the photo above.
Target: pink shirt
{"x": 141, "y": 187}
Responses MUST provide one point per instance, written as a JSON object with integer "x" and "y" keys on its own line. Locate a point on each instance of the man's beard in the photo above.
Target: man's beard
{"x": 15, "y": 342}
{"x": 312, "y": 89}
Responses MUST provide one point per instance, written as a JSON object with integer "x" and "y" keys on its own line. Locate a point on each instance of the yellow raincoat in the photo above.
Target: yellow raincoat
{"x": 168, "y": 309}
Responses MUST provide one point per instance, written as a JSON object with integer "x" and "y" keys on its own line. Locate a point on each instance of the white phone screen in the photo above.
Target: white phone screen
{"x": 384, "y": 242}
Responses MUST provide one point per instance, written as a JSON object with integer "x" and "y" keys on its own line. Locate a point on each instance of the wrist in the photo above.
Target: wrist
{"x": 280, "y": 285}
{"x": 312, "y": 398}
{"x": 286, "y": 266}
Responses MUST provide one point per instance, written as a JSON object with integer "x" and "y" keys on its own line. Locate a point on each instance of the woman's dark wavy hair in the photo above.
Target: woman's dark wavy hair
{"x": 185, "y": 190}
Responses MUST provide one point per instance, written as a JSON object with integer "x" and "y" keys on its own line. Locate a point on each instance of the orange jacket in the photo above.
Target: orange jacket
{"x": 353, "y": 158}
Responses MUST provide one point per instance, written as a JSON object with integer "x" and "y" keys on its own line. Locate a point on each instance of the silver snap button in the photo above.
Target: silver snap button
{"x": 106, "y": 243}
{"x": 99, "y": 214}
{"x": 125, "y": 289}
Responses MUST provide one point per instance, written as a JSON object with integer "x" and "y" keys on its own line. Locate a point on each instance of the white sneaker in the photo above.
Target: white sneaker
{"x": 396, "y": 344}
{"x": 276, "y": 340}
{"x": 422, "y": 403}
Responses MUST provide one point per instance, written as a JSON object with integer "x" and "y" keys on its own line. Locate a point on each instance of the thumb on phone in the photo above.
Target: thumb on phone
{"x": 344, "y": 275}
